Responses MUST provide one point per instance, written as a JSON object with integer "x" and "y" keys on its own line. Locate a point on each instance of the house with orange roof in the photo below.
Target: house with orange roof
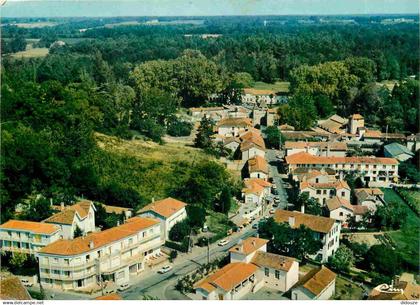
{"x": 231, "y": 127}
{"x": 256, "y": 190}
{"x": 341, "y": 209}
{"x": 113, "y": 255}
{"x": 252, "y": 144}
{"x": 168, "y": 211}
{"x": 327, "y": 149}
{"x": 325, "y": 229}
{"x": 258, "y": 168}
{"x": 317, "y": 284}
{"x": 369, "y": 197}
{"x": 398, "y": 289}
{"x": 251, "y": 268}
{"x": 322, "y": 191}
{"x": 373, "y": 170}
{"x": 27, "y": 236}
{"x": 323, "y": 175}
{"x": 79, "y": 215}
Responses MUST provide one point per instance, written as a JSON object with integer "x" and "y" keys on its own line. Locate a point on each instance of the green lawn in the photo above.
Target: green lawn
{"x": 413, "y": 196}
{"x": 346, "y": 290}
{"x": 217, "y": 222}
{"x": 282, "y": 87}
{"x": 406, "y": 239}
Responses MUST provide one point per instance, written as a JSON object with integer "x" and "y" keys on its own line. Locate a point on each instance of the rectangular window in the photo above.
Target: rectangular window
{"x": 277, "y": 274}
{"x": 343, "y": 194}
{"x": 318, "y": 192}
{"x": 267, "y": 271}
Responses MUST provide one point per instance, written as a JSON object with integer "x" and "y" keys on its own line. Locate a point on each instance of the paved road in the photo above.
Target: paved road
{"x": 162, "y": 286}
{"x": 272, "y": 160}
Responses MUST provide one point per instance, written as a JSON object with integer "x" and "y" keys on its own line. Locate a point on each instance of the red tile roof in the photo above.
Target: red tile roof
{"x": 305, "y": 158}
{"x": 316, "y": 280}
{"x": 228, "y": 277}
{"x": 339, "y": 184}
{"x": 166, "y": 207}
{"x": 83, "y": 244}
{"x": 30, "y": 226}
{"x": 271, "y": 260}
{"x": 249, "y": 245}
{"x": 255, "y": 186}
{"x": 315, "y": 223}
{"x": 258, "y": 164}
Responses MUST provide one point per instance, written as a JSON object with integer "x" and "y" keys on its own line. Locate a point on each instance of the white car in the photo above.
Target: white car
{"x": 123, "y": 287}
{"x": 165, "y": 269}
{"x": 223, "y": 242}
{"x": 271, "y": 211}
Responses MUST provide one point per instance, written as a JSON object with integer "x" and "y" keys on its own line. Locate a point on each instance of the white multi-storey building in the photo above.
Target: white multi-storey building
{"x": 27, "y": 236}
{"x": 375, "y": 171}
{"x": 111, "y": 255}
{"x": 168, "y": 211}
{"x": 327, "y": 190}
{"x": 79, "y": 215}
{"x": 326, "y": 149}
{"x": 325, "y": 229}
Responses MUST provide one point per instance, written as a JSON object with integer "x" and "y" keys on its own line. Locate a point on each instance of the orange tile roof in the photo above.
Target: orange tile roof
{"x": 258, "y": 91}
{"x": 228, "y": 277}
{"x": 249, "y": 245}
{"x": 316, "y": 280}
{"x": 322, "y": 145}
{"x": 11, "y": 288}
{"x": 271, "y": 260}
{"x": 360, "y": 209}
{"x": 165, "y": 207}
{"x": 258, "y": 164}
{"x": 81, "y": 245}
{"x": 255, "y": 185}
{"x": 243, "y": 122}
{"x": 339, "y": 184}
{"x": 67, "y": 215}
{"x": 30, "y": 226}
{"x": 337, "y": 202}
{"x": 370, "y": 191}
{"x": 286, "y": 127}
{"x": 356, "y": 116}
{"x": 315, "y": 223}
{"x": 305, "y": 158}
{"x": 112, "y": 296}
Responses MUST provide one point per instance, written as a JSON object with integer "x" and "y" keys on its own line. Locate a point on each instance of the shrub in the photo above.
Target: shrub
{"x": 179, "y": 231}
{"x": 179, "y": 129}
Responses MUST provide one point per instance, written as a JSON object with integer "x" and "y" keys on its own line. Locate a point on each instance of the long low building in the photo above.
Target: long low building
{"x": 327, "y": 149}
{"x": 375, "y": 171}
{"x": 112, "y": 255}
{"x": 27, "y": 236}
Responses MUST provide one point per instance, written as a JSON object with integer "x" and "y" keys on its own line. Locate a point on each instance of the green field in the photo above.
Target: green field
{"x": 413, "y": 196}
{"x": 31, "y": 53}
{"x": 282, "y": 87}
{"x": 407, "y": 238}
{"x": 346, "y": 290}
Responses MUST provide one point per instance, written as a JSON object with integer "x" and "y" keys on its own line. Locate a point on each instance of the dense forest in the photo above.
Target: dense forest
{"x": 131, "y": 80}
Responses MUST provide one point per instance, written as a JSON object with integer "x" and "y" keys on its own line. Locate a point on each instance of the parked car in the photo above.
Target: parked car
{"x": 274, "y": 186}
{"x": 274, "y": 191}
{"x": 276, "y": 199}
{"x": 26, "y": 283}
{"x": 271, "y": 211}
{"x": 279, "y": 157}
{"x": 255, "y": 226}
{"x": 223, "y": 242}
{"x": 123, "y": 287}
{"x": 165, "y": 269}
{"x": 275, "y": 205}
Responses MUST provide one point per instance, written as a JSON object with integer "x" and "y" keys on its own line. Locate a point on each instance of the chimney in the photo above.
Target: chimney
{"x": 254, "y": 243}
{"x": 62, "y": 205}
{"x": 153, "y": 199}
{"x": 291, "y": 221}
{"x": 51, "y": 202}
{"x": 91, "y": 244}
{"x": 118, "y": 223}
{"x": 240, "y": 246}
{"x": 328, "y": 149}
{"x": 302, "y": 208}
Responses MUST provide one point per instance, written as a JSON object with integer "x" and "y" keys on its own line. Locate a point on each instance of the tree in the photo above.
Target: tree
{"x": 178, "y": 128}
{"x": 38, "y": 209}
{"x": 273, "y": 137}
{"x": 77, "y": 232}
{"x": 196, "y": 216}
{"x": 392, "y": 215}
{"x": 343, "y": 259}
{"x": 204, "y": 132}
{"x": 382, "y": 260}
{"x": 18, "y": 260}
{"x": 173, "y": 255}
{"x": 225, "y": 201}
{"x": 312, "y": 206}
{"x": 300, "y": 112}
{"x": 17, "y": 43}
{"x": 179, "y": 231}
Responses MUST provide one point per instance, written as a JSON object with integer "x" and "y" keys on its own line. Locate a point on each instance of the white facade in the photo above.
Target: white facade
{"x": 259, "y": 174}
{"x": 300, "y": 293}
{"x": 252, "y": 152}
{"x": 322, "y": 194}
{"x": 279, "y": 279}
{"x": 114, "y": 261}
{"x": 167, "y": 222}
{"x": 341, "y": 213}
{"x": 330, "y": 242}
{"x": 25, "y": 239}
